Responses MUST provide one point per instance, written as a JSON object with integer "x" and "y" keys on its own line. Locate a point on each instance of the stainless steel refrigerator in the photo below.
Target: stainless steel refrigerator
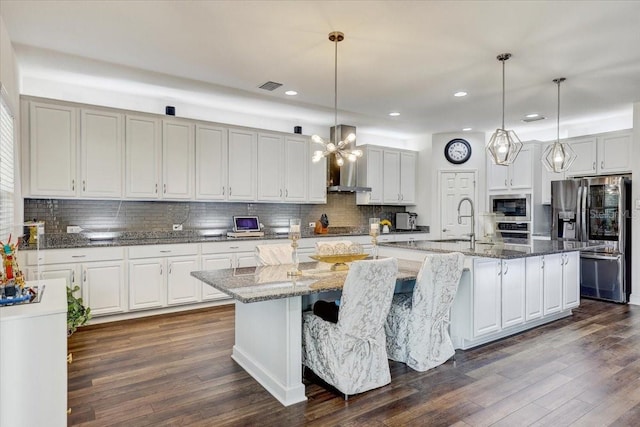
{"x": 597, "y": 209}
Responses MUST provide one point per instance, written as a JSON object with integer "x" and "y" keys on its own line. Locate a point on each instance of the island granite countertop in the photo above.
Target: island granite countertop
{"x": 497, "y": 250}
{"x": 254, "y": 284}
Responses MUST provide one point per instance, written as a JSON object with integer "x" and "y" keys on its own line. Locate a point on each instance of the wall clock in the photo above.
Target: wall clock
{"x": 457, "y": 151}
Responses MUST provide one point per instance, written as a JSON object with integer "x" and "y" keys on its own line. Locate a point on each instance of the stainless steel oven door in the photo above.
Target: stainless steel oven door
{"x": 602, "y": 276}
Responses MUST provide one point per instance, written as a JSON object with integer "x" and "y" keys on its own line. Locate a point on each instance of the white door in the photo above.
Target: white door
{"x": 143, "y": 155}
{"x": 408, "y": 177}
{"x": 391, "y": 182}
{"x": 215, "y": 262}
{"x": 182, "y": 287}
{"x": 552, "y": 283}
{"x": 103, "y": 287}
{"x": 101, "y": 149}
{"x": 53, "y": 138}
{"x": 453, "y": 187}
{"x": 486, "y": 296}
{"x": 513, "y": 292}
{"x": 270, "y": 167}
{"x": 571, "y": 280}
{"x": 533, "y": 283}
{"x": 177, "y": 160}
{"x": 146, "y": 283}
{"x": 295, "y": 169}
{"x": 243, "y": 150}
{"x": 211, "y": 163}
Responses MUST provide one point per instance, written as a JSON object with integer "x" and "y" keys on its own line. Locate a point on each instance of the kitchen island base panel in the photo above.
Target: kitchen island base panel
{"x": 268, "y": 342}
{"x": 466, "y": 344}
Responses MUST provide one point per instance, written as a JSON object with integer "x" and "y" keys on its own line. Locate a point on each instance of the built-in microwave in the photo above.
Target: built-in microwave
{"x": 511, "y": 207}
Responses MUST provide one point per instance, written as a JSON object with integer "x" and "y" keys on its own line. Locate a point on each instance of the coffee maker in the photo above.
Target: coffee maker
{"x": 406, "y": 220}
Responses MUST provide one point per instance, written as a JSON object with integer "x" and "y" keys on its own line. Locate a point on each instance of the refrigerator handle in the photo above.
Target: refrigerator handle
{"x": 583, "y": 213}
{"x": 579, "y": 213}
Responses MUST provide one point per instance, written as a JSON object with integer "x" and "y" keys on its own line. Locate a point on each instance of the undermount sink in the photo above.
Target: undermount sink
{"x": 453, "y": 240}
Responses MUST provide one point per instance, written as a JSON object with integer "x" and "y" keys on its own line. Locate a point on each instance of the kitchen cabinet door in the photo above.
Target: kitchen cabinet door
{"x": 533, "y": 288}
{"x": 571, "y": 280}
{"x": 521, "y": 171}
{"x": 486, "y": 297}
{"x": 146, "y": 283}
{"x": 178, "y": 157}
{"x": 245, "y": 259}
{"x": 52, "y": 150}
{"x": 513, "y": 292}
{"x": 371, "y": 174}
{"x": 391, "y": 182}
{"x": 101, "y": 149}
{"x": 317, "y": 180}
{"x": 211, "y": 162}
{"x": 408, "y": 161}
{"x": 586, "y": 160}
{"x": 270, "y": 167}
{"x": 182, "y": 288}
{"x": 243, "y": 152}
{"x": 296, "y": 174}
{"x": 143, "y": 157}
{"x": 614, "y": 152}
{"x": 69, "y": 272}
{"x": 215, "y": 262}
{"x": 552, "y": 280}
{"x": 103, "y": 287}
{"x": 497, "y": 176}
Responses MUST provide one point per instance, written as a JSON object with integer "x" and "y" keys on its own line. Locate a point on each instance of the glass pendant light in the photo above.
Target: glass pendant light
{"x": 558, "y": 157}
{"x": 504, "y": 145}
{"x": 337, "y": 148}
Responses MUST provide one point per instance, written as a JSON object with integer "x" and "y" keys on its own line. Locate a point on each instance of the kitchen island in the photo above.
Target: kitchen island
{"x": 268, "y": 318}
{"x": 505, "y": 289}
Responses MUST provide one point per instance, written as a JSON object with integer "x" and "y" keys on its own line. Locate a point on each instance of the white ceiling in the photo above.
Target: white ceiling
{"x": 406, "y": 56}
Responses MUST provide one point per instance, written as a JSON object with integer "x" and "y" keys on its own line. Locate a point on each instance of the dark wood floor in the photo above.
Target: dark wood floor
{"x": 176, "y": 370}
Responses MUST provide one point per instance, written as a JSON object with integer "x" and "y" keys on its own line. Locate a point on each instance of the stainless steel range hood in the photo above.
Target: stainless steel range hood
{"x": 343, "y": 178}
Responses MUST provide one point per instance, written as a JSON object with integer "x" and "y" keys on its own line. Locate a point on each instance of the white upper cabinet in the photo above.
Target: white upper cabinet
{"x": 270, "y": 167}
{"x": 178, "y": 158}
{"x": 143, "y": 157}
{"x": 317, "y": 180}
{"x": 517, "y": 176}
{"x": 211, "y": 162}
{"x": 296, "y": 172}
{"x": 390, "y": 173}
{"x": 53, "y": 135}
{"x": 101, "y": 153}
{"x": 243, "y": 162}
{"x": 602, "y": 154}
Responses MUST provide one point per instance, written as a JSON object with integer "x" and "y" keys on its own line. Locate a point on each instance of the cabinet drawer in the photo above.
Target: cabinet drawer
{"x": 155, "y": 251}
{"x": 230, "y": 246}
{"x": 60, "y": 256}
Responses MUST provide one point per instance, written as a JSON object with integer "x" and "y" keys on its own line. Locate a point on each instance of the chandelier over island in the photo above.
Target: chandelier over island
{"x": 339, "y": 148}
{"x": 559, "y": 156}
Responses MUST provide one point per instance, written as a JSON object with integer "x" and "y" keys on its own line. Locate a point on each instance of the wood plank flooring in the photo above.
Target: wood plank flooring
{"x": 176, "y": 370}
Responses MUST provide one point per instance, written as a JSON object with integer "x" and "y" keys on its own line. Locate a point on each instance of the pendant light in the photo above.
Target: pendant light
{"x": 338, "y": 148}
{"x": 558, "y": 157}
{"x": 504, "y": 145}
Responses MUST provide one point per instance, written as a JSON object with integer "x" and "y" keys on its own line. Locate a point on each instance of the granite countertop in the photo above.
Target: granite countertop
{"x": 111, "y": 239}
{"x": 253, "y": 284}
{"x": 497, "y": 250}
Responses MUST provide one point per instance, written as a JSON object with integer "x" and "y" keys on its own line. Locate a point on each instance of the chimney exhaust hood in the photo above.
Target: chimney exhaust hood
{"x": 342, "y": 178}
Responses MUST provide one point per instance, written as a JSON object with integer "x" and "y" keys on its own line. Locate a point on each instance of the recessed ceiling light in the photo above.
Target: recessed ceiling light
{"x": 394, "y": 114}
{"x": 459, "y": 94}
{"x": 466, "y": 129}
{"x": 532, "y": 115}
{"x": 291, "y": 92}
{"x": 533, "y": 118}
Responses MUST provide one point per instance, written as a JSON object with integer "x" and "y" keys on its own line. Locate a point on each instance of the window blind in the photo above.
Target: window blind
{"x": 6, "y": 168}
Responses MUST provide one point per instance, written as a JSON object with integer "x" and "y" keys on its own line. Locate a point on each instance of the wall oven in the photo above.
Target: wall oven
{"x": 511, "y": 207}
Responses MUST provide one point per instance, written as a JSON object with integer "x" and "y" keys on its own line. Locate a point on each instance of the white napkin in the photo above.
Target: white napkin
{"x": 274, "y": 254}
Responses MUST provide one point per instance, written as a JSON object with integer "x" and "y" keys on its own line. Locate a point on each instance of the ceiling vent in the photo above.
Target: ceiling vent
{"x": 270, "y": 86}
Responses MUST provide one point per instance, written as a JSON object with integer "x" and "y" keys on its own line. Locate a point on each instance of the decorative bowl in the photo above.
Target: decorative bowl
{"x": 339, "y": 260}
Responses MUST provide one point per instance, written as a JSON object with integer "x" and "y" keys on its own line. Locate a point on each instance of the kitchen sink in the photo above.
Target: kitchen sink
{"x": 453, "y": 240}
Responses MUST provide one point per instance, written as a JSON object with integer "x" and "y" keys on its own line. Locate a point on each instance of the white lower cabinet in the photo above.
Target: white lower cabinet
{"x": 534, "y": 288}
{"x": 103, "y": 287}
{"x": 160, "y": 275}
{"x": 486, "y": 296}
{"x": 513, "y": 292}
{"x": 571, "y": 280}
{"x": 214, "y": 262}
{"x": 552, "y": 283}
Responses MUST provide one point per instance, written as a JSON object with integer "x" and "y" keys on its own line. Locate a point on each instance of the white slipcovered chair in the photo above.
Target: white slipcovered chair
{"x": 417, "y": 326}
{"x": 350, "y": 355}
{"x": 277, "y": 254}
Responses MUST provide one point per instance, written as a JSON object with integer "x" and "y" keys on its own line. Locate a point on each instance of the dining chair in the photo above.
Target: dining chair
{"x": 350, "y": 355}
{"x": 277, "y": 254}
{"x": 417, "y": 327}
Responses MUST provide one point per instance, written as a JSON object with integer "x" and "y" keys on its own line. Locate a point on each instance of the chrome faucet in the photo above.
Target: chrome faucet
{"x": 472, "y": 235}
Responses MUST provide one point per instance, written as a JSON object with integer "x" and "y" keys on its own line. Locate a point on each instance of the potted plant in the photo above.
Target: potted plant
{"x": 77, "y": 313}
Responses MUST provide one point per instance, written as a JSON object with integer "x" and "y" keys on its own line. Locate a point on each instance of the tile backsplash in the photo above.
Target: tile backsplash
{"x": 117, "y": 215}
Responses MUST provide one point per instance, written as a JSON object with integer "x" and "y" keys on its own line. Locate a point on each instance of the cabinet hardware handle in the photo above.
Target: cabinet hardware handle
{"x": 511, "y": 182}
{"x": 73, "y": 185}
{"x": 506, "y": 269}
{"x": 286, "y": 193}
{"x": 602, "y": 164}
{"x": 170, "y": 265}
{"x": 505, "y": 182}
{"x": 234, "y": 247}
{"x": 229, "y": 190}
{"x": 444, "y": 229}
{"x": 594, "y": 165}
{"x": 398, "y": 196}
{"x": 161, "y": 270}
{"x": 230, "y": 263}
{"x": 164, "y": 188}
{"x": 73, "y": 278}
{"x": 281, "y": 192}
{"x": 84, "y": 185}
{"x": 401, "y": 196}
{"x": 166, "y": 251}
{"x": 84, "y": 276}
{"x": 78, "y": 256}
{"x": 223, "y": 190}
{"x": 156, "y": 190}
{"x": 542, "y": 262}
